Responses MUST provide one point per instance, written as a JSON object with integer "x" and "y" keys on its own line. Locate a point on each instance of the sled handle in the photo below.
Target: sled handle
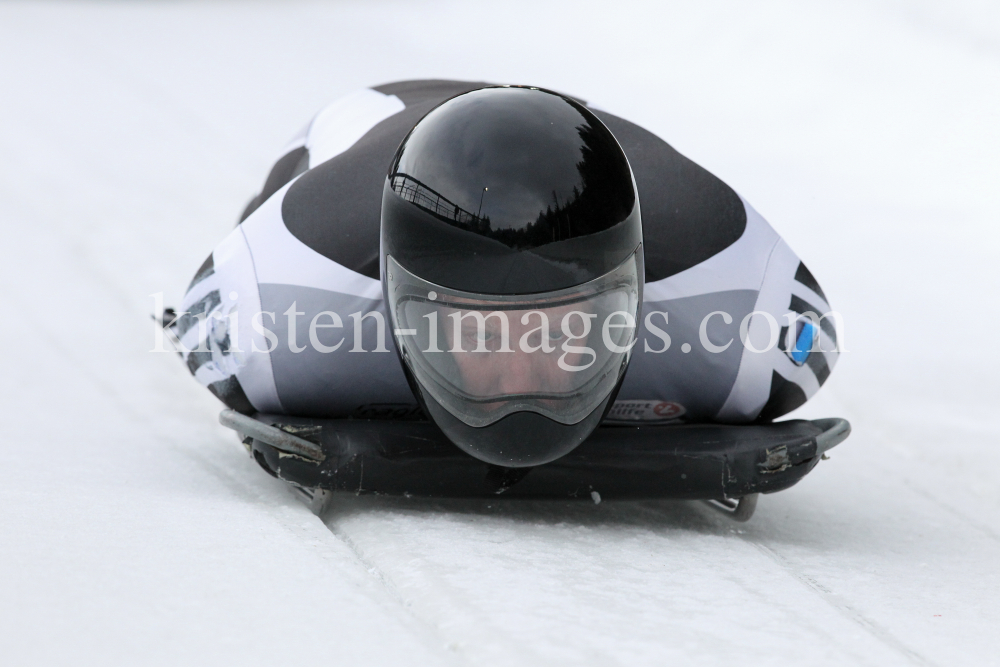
{"x": 739, "y": 510}
{"x": 835, "y": 431}
{"x": 275, "y": 437}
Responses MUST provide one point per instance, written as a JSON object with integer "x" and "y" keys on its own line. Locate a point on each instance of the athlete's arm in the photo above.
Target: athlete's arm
{"x": 207, "y": 328}
{"x": 712, "y": 262}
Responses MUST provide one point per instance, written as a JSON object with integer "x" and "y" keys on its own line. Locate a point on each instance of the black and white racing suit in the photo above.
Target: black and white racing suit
{"x": 251, "y": 324}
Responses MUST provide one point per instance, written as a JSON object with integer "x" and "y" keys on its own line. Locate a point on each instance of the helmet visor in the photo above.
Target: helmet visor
{"x": 483, "y": 357}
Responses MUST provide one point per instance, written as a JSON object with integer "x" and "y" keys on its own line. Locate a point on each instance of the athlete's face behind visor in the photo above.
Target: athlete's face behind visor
{"x": 485, "y": 357}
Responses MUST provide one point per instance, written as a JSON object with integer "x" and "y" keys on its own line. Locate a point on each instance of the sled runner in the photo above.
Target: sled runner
{"x": 728, "y": 465}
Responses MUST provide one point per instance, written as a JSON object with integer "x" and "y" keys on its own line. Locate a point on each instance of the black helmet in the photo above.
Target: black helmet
{"x": 512, "y": 269}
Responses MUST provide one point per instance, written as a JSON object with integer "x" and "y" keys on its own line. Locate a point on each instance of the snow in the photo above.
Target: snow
{"x": 134, "y": 529}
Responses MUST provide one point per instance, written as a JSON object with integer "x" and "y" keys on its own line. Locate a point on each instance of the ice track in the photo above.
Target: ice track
{"x": 134, "y": 529}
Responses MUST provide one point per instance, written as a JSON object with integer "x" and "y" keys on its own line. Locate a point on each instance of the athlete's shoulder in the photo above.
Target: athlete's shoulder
{"x": 373, "y": 121}
{"x": 335, "y": 206}
{"x": 688, "y": 214}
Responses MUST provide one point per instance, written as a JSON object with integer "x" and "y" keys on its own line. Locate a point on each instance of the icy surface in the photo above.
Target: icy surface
{"x": 134, "y": 529}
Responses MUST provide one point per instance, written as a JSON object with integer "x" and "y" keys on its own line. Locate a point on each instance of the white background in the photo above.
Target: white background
{"x": 134, "y": 529}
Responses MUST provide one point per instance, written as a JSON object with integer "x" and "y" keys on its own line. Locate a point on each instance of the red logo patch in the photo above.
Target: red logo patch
{"x": 668, "y": 410}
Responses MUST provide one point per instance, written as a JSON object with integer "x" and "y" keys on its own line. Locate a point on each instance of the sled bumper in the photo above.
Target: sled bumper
{"x": 691, "y": 461}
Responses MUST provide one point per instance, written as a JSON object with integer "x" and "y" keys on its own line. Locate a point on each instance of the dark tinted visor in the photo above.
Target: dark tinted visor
{"x": 484, "y": 357}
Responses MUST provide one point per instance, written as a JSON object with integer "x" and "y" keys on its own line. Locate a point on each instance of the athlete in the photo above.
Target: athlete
{"x": 510, "y": 263}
